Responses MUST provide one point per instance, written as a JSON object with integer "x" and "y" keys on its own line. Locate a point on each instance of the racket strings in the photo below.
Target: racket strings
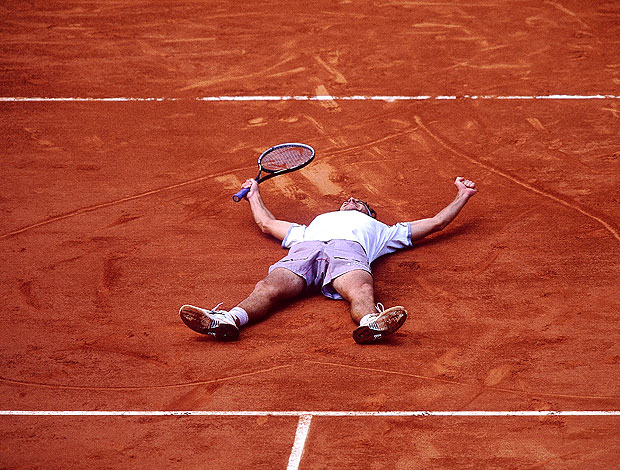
{"x": 285, "y": 158}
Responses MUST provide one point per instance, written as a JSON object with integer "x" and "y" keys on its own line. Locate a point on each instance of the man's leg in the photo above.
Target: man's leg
{"x": 357, "y": 288}
{"x": 279, "y": 285}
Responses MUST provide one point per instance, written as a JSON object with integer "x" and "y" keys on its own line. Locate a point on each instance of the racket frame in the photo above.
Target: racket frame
{"x": 271, "y": 173}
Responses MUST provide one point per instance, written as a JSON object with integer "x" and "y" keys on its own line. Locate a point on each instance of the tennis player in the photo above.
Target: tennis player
{"x": 333, "y": 254}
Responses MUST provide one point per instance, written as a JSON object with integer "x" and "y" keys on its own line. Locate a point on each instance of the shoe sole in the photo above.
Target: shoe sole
{"x": 198, "y": 321}
{"x": 390, "y": 321}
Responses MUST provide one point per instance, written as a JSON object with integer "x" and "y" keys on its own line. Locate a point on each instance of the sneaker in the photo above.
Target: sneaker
{"x": 380, "y": 325}
{"x": 218, "y": 323}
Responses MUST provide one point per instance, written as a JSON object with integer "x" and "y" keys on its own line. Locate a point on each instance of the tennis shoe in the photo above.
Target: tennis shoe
{"x": 217, "y": 323}
{"x": 380, "y": 325}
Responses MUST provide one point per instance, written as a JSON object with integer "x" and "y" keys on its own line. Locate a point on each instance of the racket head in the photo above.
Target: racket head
{"x": 278, "y": 160}
{"x": 286, "y": 157}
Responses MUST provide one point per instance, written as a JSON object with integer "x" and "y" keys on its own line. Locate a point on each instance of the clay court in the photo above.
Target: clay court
{"x": 127, "y": 127}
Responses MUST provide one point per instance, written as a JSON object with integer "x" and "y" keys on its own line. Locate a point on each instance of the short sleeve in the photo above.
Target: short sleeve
{"x": 400, "y": 238}
{"x": 294, "y": 235}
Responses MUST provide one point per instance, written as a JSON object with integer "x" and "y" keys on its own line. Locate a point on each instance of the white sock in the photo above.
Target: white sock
{"x": 366, "y": 319}
{"x": 240, "y": 315}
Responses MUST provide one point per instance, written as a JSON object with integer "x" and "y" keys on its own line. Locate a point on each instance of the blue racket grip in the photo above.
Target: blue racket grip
{"x": 241, "y": 194}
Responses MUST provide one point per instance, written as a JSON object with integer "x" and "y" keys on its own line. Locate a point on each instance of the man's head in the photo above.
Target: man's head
{"x": 353, "y": 204}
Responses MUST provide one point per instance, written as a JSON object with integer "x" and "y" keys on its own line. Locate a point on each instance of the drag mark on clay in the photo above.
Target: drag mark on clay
{"x": 325, "y": 99}
{"x": 209, "y": 82}
{"x": 95, "y": 207}
{"x": 290, "y": 190}
{"x": 390, "y": 372}
{"x": 373, "y": 162}
{"x": 490, "y": 66}
{"x": 25, "y": 289}
{"x": 316, "y": 124}
{"x": 613, "y": 110}
{"x": 464, "y": 384}
{"x": 490, "y": 168}
{"x": 146, "y": 387}
{"x": 440, "y": 26}
{"x": 563, "y": 9}
{"x": 287, "y": 72}
{"x": 536, "y": 124}
{"x": 333, "y": 152}
{"x": 436, "y": 4}
{"x": 338, "y": 77}
{"x": 490, "y": 259}
{"x": 320, "y": 176}
{"x": 555, "y": 458}
{"x": 320, "y": 128}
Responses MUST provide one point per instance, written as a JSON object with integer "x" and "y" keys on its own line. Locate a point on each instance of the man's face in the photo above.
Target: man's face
{"x": 353, "y": 204}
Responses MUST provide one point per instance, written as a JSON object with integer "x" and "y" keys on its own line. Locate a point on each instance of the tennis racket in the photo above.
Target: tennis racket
{"x": 278, "y": 160}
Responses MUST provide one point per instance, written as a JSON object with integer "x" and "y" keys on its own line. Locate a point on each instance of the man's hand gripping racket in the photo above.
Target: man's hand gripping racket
{"x": 278, "y": 160}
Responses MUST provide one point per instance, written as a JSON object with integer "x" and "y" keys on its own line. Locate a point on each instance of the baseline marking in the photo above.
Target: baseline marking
{"x": 388, "y": 98}
{"x": 305, "y": 418}
{"x": 309, "y": 414}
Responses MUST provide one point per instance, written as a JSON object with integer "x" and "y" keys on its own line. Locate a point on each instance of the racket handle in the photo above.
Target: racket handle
{"x": 241, "y": 194}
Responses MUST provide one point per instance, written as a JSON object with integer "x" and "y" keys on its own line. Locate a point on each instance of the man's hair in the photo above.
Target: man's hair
{"x": 371, "y": 211}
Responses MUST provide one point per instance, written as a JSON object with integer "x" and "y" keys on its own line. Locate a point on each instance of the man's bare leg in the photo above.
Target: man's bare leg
{"x": 357, "y": 287}
{"x": 279, "y": 285}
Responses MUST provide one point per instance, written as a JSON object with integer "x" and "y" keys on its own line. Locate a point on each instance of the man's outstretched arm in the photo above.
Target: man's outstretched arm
{"x": 263, "y": 217}
{"x": 424, "y": 227}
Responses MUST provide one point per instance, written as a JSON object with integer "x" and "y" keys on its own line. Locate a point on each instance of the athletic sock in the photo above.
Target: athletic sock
{"x": 366, "y": 319}
{"x": 239, "y": 314}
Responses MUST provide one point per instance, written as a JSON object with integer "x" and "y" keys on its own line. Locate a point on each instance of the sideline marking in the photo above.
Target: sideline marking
{"x": 309, "y": 414}
{"x": 388, "y": 98}
{"x": 303, "y": 426}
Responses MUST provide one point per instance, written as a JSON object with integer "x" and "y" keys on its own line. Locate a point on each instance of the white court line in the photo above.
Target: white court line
{"x": 388, "y": 98}
{"x": 303, "y": 427}
{"x": 305, "y": 418}
{"x": 312, "y": 413}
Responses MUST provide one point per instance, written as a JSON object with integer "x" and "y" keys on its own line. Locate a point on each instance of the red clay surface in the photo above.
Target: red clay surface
{"x": 115, "y": 214}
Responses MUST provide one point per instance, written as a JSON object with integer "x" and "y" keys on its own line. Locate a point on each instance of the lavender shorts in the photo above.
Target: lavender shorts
{"x": 319, "y": 263}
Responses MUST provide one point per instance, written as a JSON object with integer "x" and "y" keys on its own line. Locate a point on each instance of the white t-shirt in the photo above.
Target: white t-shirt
{"x": 376, "y": 238}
